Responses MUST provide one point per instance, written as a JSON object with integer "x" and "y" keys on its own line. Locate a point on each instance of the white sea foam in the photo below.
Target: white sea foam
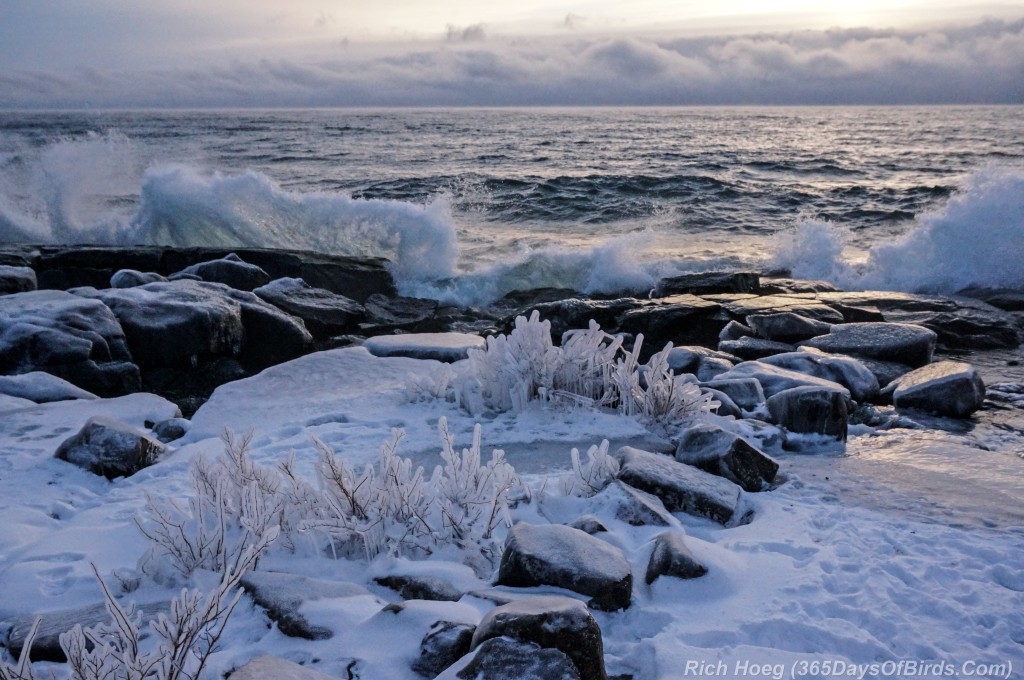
{"x": 975, "y": 239}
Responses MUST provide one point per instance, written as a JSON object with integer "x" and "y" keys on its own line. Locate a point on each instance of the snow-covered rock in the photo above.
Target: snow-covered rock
{"x": 17, "y": 279}
{"x": 681, "y": 487}
{"x": 774, "y": 379}
{"x": 672, "y": 557}
{"x": 588, "y": 524}
{"x": 446, "y": 347}
{"x": 811, "y": 410}
{"x": 171, "y": 429}
{"x": 724, "y": 453}
{"x": 421, "y": 587}
{"x": 847, "y": 371}
{"x": 276, "y": 668}
{"x": 750, "y": 348}
{"x": 231, "y": 271}
{"x": 130, "y": 278}
{"x": 41, "y": 388}
{"x": 786, "y": 326}
{"x": 444, "y": 644}
{"x": 629, "y": 505}
{"x": 108, "y": 447}
{"x": 564, "y": 557}
{"x": 506, "y": 659}
{"x": 283, "y": 594}
{"x": 551, "y": 622}
{"x": 948, "y": 388}
{"x": 73, "y": 338}
{"x": 325, "y": 314}
{"x": 901, "y": 342}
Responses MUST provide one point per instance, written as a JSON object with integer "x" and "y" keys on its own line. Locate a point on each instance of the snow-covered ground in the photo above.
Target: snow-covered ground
{"x": 903, "y": 550}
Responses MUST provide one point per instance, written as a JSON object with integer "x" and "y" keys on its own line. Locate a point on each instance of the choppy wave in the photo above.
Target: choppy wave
{"x": 975, "y": 239}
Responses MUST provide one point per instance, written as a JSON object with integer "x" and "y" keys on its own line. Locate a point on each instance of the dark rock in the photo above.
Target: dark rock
{"x": 947, "y": 388}
{"x": 389, "y": 314}
{"x": 110, "y": 448}
{"x": 445, "y": 643}
{"x": 734, "y": 330}
{"x": 282, "y": 595}
{"x": 709, "y": 283}
{"x": 574, "y": 313}
{"x": 561, "y": 556}
{"x": 904, "y": 343}
{"x": 62, "y": 334}
{"x": 750, "y": 348}
{"x": 506, "y": 659}
{"x": 723, "y": 453}
{"x": 786, "y": 286}
{"x": 969, "y": 328}
{"x": 42, "y": 388}
{"x": 444, "y": 347}
{"x": 17, "y": 279}
{"x": 325, "y": 313}
{"x": 1003, "y": 298}
{"x": 774, "y": 379}
{"x": 171, "y": 430}
{"x": 700, "y": 361}
{"x": 588, "y": 524}
{"x": 274, "y": 668}
{"x": 744, "y": 392}
{"x": 551, "y": 622}
{"x": 64, "y": 267}
{"x": 884, "y": 371}
{"x": 230, "y": 270}
{"x": 786, "y": 327}
{"x": 632, "y": 506}
{"x": 421, "y": 588}
{"x": 679, "y": 319}
{"x": 671, "y": 557}
{"x": 847, "y": 371}
{"x": 811, "y": 410}
{"x": 682, "y": 488}
{"x": 808, "y": 306}
{"x": 527, "y": 299}
{"x": 130, "y": 278}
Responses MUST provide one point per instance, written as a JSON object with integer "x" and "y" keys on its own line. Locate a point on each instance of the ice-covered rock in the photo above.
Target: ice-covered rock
{"x": 742, "y": 306}
{"x": 421, "y": 587}
{"x": 811, "y": 410}
{"x": 507, "y": 659}
{"x": 130, "y": 278}
{"x": 774, "y": 379}
{"x": 734, "y": 330}
{"x": 786, "y": 326}
{"x": 901, "y": 342}
{"x": 325, "y": 314}
{"x": 63, "y": 334}
{"x": 629, "y": 505}
{"x": 672, "y": 557}
{"x": 709, "y": 283}
{"x": 41, "y": 388}
{"x": 726, "y": 406}
{"x": 679, "y": 319}
{"x": 389, "y": 314}
{"x": 282, "y": 594}
{"x": 231, "y": 271}
{"x": 700, "y": 361}
{"x": 744, "y": 392}
{"x": 847, "y": 371}
{"x": 445, "y": 643}
{"x": 947, "y": 388}
{"x": 681, "y": 487}
{"x": 720, "y": 452}
{"x": 446, "y": 347}
{"x": 568, "y": 558}
{"x": 552, "y": 622}
{"x": 275, "y": 668}
{"x": 17, "y": 279}
{"x": 107, "y": 447}
{"x": 750, "y": 348}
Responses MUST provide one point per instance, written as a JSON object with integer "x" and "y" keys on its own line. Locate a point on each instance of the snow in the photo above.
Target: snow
{"x": 904, "y": 547}
{"x": 41, "y": 387}
{"x": 439, "y": 346}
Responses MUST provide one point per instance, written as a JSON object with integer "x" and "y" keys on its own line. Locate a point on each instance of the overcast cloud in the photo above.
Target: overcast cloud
{"x": 470, "y": 65}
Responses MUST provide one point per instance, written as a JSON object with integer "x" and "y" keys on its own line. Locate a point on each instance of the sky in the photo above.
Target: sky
{"x": 272, "y": 53}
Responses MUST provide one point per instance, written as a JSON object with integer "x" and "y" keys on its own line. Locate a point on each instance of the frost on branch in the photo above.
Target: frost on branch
{"x": 22, "y": 670}
{"x": 589, "y": 368}
{"x": 587, "y": 478}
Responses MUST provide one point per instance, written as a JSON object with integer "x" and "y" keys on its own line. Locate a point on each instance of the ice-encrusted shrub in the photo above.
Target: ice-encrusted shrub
{"x": 590, "y": 367}
{"x": 236, "y": 504}
{"x": 22, "y": 669}
{"x": 587, "y": 478}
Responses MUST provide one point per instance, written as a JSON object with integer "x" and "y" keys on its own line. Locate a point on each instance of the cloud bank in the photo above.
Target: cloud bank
{"x": 982, "y": 63}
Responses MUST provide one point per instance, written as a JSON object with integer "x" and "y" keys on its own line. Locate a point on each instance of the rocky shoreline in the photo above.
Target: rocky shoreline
{"x": 179, "y": 322}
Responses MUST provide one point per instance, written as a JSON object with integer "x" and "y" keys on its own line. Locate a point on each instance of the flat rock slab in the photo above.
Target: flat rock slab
{"x": 274, "y": 668}
{"x": 786, "y": 326}
{"x": 681, "y": 487}
{"x": 551, "y": 622}
{"x": 445, "y": 347}
{"x": 947, "y": 388}
{"x": 564, "y": 557}
{"x": 282, "y": 594}
{"x": 901, "y": 342}
{"x": 708, "y": 283}
{"x": 742, "y": 306}
{"x": 774, "y": 379}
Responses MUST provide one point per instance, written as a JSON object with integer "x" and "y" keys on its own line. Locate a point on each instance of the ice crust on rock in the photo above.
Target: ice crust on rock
{"x": 446, "y": 347}
{"x": 774, "y": 379}
{"x": 948, "y": 388}
{"x": 671, "y": 557}
{"x": 847, "y": 371}
{"x": 811, "y": 410}
{"x": 17, "y": 279}
{"x": 231, "y": 271}
{"x": 41, "y": 388}
{"x": 900, "y": 342}
{"x": 110, "y": 448}
{"x": 720, "y": 452}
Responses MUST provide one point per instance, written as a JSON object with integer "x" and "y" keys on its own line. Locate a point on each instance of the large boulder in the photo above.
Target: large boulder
{"x": 108, "y": 447}
{"x": 446, "y": 347}
{"x": 720, "y": 452}
{"x": 325, "y": 314}
{"x": 231, "y": 271}
{"x": 70, "y": 337}
{"x": 774, "y": 379}
{"x": 672, "y": 557}
{"x": 552, "y": 622}
{"x": 847, "y": 371}
{"x": 568, "y": 558}
{"x": 786, "y": 326}
{"x": 947, "y": 388}
{"x": 629, "y": 505}
{"x": 17, "y": 279}
{"x": 811, "y": 410}
{"x": 681, "y": 487}
{"x": 507, "y": 659}
{"x": 901, "y": 342}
